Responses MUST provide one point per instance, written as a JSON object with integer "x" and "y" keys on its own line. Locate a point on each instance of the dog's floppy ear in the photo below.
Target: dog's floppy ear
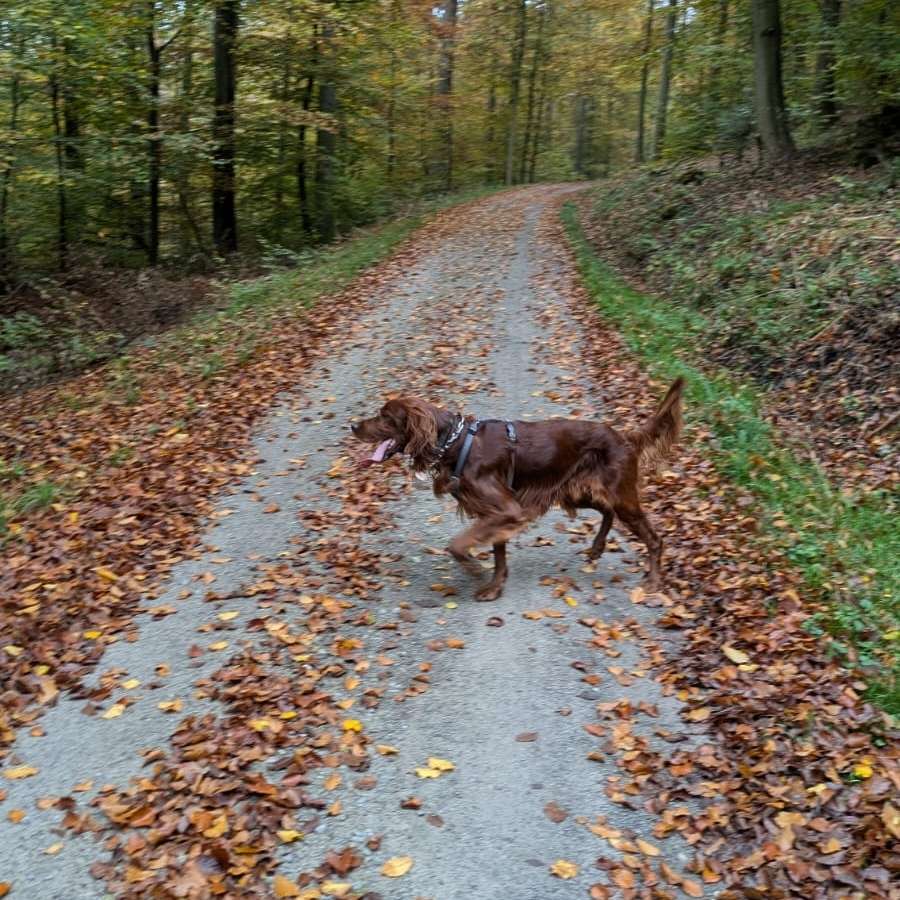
{"x": 421, "y": 427}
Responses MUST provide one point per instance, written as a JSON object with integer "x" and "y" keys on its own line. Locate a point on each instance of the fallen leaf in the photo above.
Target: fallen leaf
{"x": 114, "y": 711}
{"x": 18, "y": 772}
{"x": 15, "y": 815}
{"x": 562, "y": 868}
{"x": 284, "y": 887}
{"x": 170, "y": 705}
{"x": 386, "y": 749}
{"x": 442, "y": 765}
{"x": 890, "y": 815}
{"x": 53, "y": 849}
{"x": 397, "y": 866}
{"x": 228, "y": 616}
{"x": 289, "y": 835}
{"x": 527, "y": 737}
{"x": 352, "y": 725}
{"x": 736, "y": 656}
{"x": 555, "y": 813}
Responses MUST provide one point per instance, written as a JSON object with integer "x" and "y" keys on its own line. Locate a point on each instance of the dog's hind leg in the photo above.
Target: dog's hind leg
{"x": 599, "y": 544}
{"x": 638, "y": 523}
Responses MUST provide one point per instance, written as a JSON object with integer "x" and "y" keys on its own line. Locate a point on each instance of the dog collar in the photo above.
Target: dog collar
{"x": 454, "y": 434}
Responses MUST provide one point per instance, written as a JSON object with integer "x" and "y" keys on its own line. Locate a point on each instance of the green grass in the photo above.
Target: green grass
{"x": 846, "y": 546}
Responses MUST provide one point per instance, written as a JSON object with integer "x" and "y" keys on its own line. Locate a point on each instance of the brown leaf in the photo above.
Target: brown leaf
{"x": 527, "y": 737}
{"x": 555, "y": 813}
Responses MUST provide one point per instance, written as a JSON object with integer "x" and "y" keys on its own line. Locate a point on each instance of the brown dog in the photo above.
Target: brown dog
{"x": 505, "y": 475}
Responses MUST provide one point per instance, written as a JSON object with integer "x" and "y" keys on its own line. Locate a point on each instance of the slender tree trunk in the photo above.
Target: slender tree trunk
{"x": 183, "y": 174}
{"x": 154, "y": 138}
{"x": 62, "y": 220}
{"x": 515, "y": 80}
{"x": 538, "y": 128}
{"x": 284, "y": 96}
{"x": 391, "y": 111}
{"x": 715, "y": 73}
{"x": 225, "y": 37}
{"x": 490, "y": 140}
{"x": 536, "y": 60}
{"x": 665, "y": 80}
{"x": 306, "y": 222}
{"x": 8, "y": 161}
{"x": 639, "y": 149}
{"x": 326, "y": 144}
{"x": 826, "y": 62}
{"x": 447, "y": 45}
{"x": 771, "y": 112}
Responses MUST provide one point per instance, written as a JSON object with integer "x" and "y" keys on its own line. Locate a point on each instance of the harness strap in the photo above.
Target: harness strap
{"x": 463, "y": 457}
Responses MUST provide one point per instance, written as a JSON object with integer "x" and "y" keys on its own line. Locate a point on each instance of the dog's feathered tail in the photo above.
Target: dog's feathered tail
{"x": 659, "y": 434}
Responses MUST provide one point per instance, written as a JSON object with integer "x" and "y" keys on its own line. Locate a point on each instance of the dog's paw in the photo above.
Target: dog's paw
{"x": 466, "y": 561}
{"x": 489, "y": 592}
{"x": 594, "y": 553}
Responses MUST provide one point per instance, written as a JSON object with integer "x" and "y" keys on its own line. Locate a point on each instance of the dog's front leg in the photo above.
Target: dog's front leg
{"x": 494, "y": 588}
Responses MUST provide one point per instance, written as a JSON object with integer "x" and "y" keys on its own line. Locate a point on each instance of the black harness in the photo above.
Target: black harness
{"x": 471, "y": 431}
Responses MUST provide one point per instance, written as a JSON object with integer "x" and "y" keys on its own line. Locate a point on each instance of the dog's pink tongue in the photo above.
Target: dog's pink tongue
{"x": 378, "y": 453}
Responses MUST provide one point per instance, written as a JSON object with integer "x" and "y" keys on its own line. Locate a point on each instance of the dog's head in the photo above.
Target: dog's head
{"x": 403, "y": 425}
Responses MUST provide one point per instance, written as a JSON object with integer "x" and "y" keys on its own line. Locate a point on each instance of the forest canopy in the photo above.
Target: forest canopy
{"x": 141, "y": 132}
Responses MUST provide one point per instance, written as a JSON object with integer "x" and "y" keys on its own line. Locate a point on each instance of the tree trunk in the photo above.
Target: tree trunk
{"x": 581, "y": 154}
{"x": 826, "y": 62}
{"x": 538, "y": 128}
{"x": 665, "y": 80}
{"x": 447, "y": 44}
{"x": 225, "y": 35}
{"x": 8, "y": 161}
{"x": 284, "y": 96}
{"x": 771, "y": 113}
{"x": 536, "y": 61}
{"x": 715, "y": 74}
{"x": 490, "y": 139}
{"x": 515, "y": 79}
{"x": 645, "y": 78}
{"x": 326, "y": 144}
{"x": 183, "y": 175}
{"x": 306, "y": 222}
{"x": 62, "y": 219}
{"x": 154, "y": 139}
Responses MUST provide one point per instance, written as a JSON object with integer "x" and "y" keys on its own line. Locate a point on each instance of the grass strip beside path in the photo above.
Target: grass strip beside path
{"x": 847, "y": 546}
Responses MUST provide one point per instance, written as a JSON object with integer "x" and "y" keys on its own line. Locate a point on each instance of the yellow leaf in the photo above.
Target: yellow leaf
{"x": 352, "y": 725}
{"x": 218, "y": 827}
{"x": 53, "y": 849}
{"x": 228, "y": 616}
{"x": 428, "y": 773}
{"x": 12, "y": 650}
{"x": 107, "y": 574}
{"x": 451, "y": 605}
{"x": 335, "y": 888}
{"x": 41, "y": 669}
{"x": 92, "y": 635}
{"x": 386, "y": 749}
{"x": 284, "y": 887}
{"x": 571, "y": 601}
{"x": 700, "y": 714}
{"x": 288, "y": 714}
{"x": 289, "y": 835}
{"x": 218, "y": 645}
{"x": 351, "y": 682}
{"x": 170, "y": 705}
{"x": 18, "y": 772}
{"x": 862, "y": 770}
{"x": 890, "y": 815}
{"x": 332, "y": 781}
{"x": 562, "y": 868}
{"x": 442, "y": 765}
{"x": 260, "y": 724}
{"x": 397, "y": 866}
{"x": 15, "y": 815}
{"x": 114, "y": 711}
{"x": 647, "y": 848}
{"x": 131, "y": 684}
{"x": 735, "y": 655}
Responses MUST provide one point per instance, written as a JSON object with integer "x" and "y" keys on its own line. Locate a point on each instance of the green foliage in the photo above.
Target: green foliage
{"x": 846, "y": 546}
